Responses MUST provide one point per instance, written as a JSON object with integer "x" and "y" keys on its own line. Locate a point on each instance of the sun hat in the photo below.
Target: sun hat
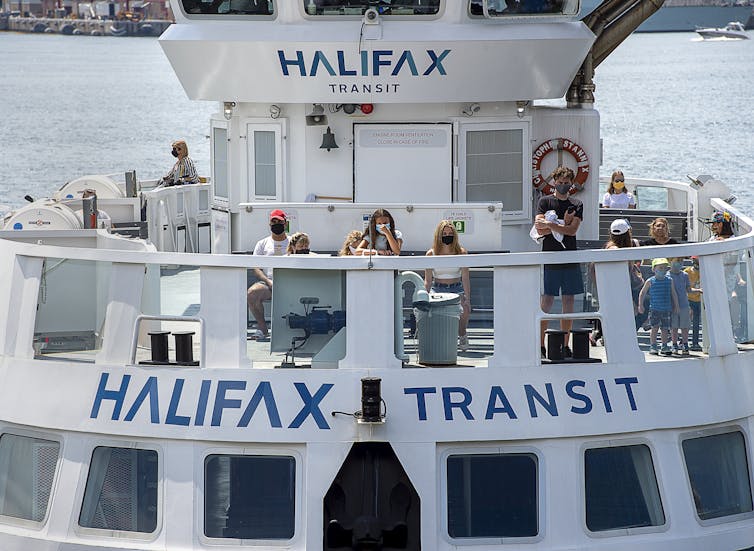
{"x": 657, "y": 261}
{"x": 721, "y": 216}
{"x": 277, "y": 213}
{"x": 619, "y": 226}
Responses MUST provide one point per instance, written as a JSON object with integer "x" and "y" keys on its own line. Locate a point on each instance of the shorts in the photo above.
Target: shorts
{"x": 658, "y": 318}
{"x": 682, "y": 319}
{"x": 563, "y": 281}
{"x": 456, "y": 288}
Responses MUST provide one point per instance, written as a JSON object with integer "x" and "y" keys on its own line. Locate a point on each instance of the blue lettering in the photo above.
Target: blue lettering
{"x": 364, "y": 63}
{"x": 421, "y": 404}
{"x": 406, "y": 57}
{"x": 319, "y": 57}
{"x": 377, "y": 62}
{"x": 605, "y": 397}
{"x": 299, "y": 61}
{"x": 201, "y": 406}
{"x": 342, "y": 66}
{"x": 311, "y": 406}
{"x": 263, "y": 392}
{"x": 587, "y": 407}
{"x": 222, "y": 403}
{"x": 172, "y": 418}
{"x": 116, "y": 395}
{"x": 149, "y": 389}
{"x": 627, "y": 382}
{"x": 549, "y": 404}
{"x": 496, "y": 393}
{"x": 449, "y": 404}
{"x": 436, "y": 62}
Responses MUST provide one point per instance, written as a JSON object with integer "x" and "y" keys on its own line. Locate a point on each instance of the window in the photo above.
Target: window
{"x": 263, "y": 161}
{"x": 719, "y": 474}
{"x": 220, "y": 161}
{"x": 249, "y": 497}
{"x": 121, "y": 490}
{"x": 228, "y": 7}
{"x": 492, "y": 496}
{"x": 503, "y": 8}
{"x": 357, "y": 8}
{"x": 621, "y": 489}
{"x": 27, "y": 469}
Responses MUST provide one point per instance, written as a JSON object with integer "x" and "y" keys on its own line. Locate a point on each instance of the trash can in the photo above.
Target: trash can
{"x": 437, "y": 329}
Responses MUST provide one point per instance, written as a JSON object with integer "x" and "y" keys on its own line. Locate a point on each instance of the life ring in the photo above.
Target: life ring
{"x": 559, "y": 144}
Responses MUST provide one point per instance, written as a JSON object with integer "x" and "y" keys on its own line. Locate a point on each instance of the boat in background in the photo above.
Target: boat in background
{"x": 734, "y": 30}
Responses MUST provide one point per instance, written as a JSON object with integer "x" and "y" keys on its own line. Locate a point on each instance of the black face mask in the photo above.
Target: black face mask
{"x": 447, "y": 239}
{"x": 174, "y": 152}
{"x": 301, "y": 251}
{"x": 277, "y": 229}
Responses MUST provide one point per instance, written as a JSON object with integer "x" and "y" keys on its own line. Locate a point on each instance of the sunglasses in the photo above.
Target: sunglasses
{"x": 619, "y": 180}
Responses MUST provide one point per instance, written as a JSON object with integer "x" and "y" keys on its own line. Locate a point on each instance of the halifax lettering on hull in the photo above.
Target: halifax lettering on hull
{"x": 219, "y": 403}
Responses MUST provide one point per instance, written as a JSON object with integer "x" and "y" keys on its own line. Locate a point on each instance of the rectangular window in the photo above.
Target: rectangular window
{"x": 719, "y": 474}
{"x": 621, "y": 489}
{"x": 264, "y": 171}
{"x": 249, "y": 497}
{"x": 507, "y": 8}
{"x": 356, "y": 7}
{"x": 220, "y": 161}
{"x": 228, "y": 7}
{"x": 492, "y": 496}
{"x": 27, "y": 469}
{"x": 121, "y": 490}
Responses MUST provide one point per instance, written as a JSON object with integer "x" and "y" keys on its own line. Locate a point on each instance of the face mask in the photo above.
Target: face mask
{"x": 661, "y": 273}
{"x": 676, "y": 266}
{"x": 617, "y": 186}
{"x": 174, "y": 152}
{"x": 277, "y": 229}
{"x": 380, "y": 226}
{"x": 563, "y": 189}
{"x": 447, "y": 239}
{"x": 301, "y": 251}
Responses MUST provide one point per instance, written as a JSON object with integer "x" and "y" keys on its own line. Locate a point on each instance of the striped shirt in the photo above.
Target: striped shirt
{"x": 660, "y": 294}
{"x": 183, "y": 172}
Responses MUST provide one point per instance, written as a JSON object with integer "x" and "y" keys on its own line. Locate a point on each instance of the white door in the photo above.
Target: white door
{"x": 264, "y": 162}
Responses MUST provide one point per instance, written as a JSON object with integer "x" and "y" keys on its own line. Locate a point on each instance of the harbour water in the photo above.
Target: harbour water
{"x": 671, "y": 105}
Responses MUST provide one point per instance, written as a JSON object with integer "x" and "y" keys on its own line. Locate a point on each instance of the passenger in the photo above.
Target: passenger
{"x": 298, "y": 243}
{"x": 681, "y": 320}
{"x": 618, "y": 196}
{"x": 662, "y": 303}
{"x": 560, "y": 279}
{"x": 450, "y": 280}
{"x": 183, "y": 171}
{"x": 722, "y": 228}
{"x": 695, "y": 302}
{"x": 659, "y": 233}
{"x": 381, "y": 237}
{"x": 274, "y": 244}
{"x": 351, "y": 243}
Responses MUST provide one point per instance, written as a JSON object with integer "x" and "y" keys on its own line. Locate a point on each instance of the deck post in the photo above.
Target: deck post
{"x": 223, "y": 299}
{"x": 19, "y": 298}
{"x": 123, "y": 307}
{"x": 716, "y": 307}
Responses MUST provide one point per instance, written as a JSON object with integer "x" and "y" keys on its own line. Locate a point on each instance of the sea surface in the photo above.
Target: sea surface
{"x": 671, "y": 105}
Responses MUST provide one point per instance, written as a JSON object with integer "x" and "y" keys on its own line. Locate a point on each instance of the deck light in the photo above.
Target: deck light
{"x": 349, "y": 108}
{"x": 317, "y": 116}
{"x": 228, "y": 109}
{"x": 472, "y": 109}
{"x": 366, "y": 108}
{"x": 274, "y": 111}
{"x": 371, "y": 401}
{"x": 328, "y": 140}
{"x": 521, "y": 107}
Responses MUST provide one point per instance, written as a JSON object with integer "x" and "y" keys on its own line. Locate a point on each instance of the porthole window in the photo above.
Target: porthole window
{"x": 621, "y": 489}
{"x": 27, "y": 470}
{"x": 718, "y": 474}
{"x": 492, "y": 496}
{"x": 121, "y": 490}
{"x": 249, "y": 497}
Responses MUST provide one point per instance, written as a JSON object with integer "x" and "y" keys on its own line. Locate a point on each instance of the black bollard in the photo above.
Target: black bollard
{"x": 184, "y": 347}
{"x": 160, "y": 346}
{"x": 580, "y": 338}
{"x": 555, "y": 344}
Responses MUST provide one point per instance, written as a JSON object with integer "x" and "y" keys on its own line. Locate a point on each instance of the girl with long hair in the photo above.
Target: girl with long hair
{"x": 618, "y": 196}
{"x": 381, "y": 237}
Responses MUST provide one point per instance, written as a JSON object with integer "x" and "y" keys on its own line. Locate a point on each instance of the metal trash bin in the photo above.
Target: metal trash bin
{"x": 437, "y": 329}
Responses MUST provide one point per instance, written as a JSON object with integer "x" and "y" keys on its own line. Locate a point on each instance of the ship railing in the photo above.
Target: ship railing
{"x": 102, "y": 292}
{"x": 179, "y": 218}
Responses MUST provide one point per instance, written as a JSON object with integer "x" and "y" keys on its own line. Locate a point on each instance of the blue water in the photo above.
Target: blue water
{"x": 671, "y": 105}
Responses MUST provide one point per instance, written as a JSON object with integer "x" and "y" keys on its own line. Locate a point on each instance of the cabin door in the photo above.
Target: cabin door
{"x": 396, "y": 163}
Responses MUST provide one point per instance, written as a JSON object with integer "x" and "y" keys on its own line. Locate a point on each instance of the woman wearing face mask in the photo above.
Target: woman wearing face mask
{"x": 298, "y": 243}
{"x": 381, "y": 237}
{"x": 450, "y": 280}
{"x": 722, "y": 228}
{"x": 183, "y": 171}
{"x": 617, "y": 196}
{"x": 659, "y": 233}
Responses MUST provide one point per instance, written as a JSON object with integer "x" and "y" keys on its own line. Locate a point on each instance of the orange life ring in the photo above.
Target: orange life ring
{"x": 559, "y": 144}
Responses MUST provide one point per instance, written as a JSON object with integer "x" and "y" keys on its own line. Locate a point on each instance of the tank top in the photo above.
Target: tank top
{"x": 447, "y": 273}
{"x": 660, "y": 298}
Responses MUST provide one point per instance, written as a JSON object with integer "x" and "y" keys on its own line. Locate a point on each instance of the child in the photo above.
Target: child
{"x": 381, "y": 237}
{"x": 681, "y": 320}
{"x": 695, "y": 302}
{"x": 662, "y": 303}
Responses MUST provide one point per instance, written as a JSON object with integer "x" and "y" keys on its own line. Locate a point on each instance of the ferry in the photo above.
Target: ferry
{"x": 137, "y": 413}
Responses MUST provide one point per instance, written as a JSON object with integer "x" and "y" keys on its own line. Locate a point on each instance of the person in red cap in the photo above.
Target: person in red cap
{"x": 274, "y": 244}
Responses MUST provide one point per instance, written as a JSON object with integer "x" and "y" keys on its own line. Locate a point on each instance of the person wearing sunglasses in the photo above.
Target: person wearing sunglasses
{"x": 617, "y": 196}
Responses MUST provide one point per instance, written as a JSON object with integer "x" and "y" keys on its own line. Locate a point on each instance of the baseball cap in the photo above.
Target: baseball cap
{"x": 657, "y": 261}
{"x": 721, "y": 216}
{"x": 277, "y": 213}
{"x": 619, "y": 226}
